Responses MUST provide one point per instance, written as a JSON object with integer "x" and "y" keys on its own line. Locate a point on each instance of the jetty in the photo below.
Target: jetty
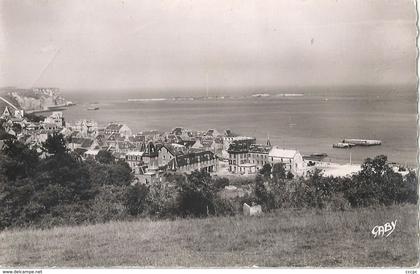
{"x": 363, "y": 142}
{"x": 349, "y": 143}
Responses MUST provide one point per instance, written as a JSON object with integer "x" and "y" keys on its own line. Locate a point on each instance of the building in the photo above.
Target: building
{"x": 113, "y": 139}
{"x": 55, "y": 118}
{"x": 197, "y": 144}
{"x": 237, "y": 156}
{"x": 91, "y": 153}
{"x": 50, "y": 126}
{"x": 245, "y": 159}
{"x": 125, "y": 147}
{"x": 135, "y": 160}
{"x": 151, "y": 157}
{"x": 122, "y": 130}
{"x": 228, "y": 140}
{"x": 151, "y": 135}
{"x": 87, "y": 128}
{"x": 291, "y": 159}
{"x": 165, "y": 154}
{"x": 6, "y": 113}
{"x": 212, "y": 133}
{"x": 80, "y": 143}
{"x": 138, "y": 141}
{"x": 203, "y": 160}
{"x": 258, "y": 155}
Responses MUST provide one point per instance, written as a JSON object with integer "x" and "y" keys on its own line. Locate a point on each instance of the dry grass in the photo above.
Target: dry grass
{"x": 285, "y": 238}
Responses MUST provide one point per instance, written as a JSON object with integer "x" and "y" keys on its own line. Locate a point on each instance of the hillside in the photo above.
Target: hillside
{"x": 284, "y": 238}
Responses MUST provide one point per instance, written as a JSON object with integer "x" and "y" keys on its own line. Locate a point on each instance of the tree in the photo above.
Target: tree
{"x": 376, "y": 183}
{"x": 105, "y": 157}
{"x": 121, "y": 173}
{"x": 20, "y": 160}
{"x": 15, "y": 195}
{"x": 162, "y": 200}
{"x": 409, "y": 190}
{"x": 260, "y": 191}
{"x": 221, "y": 183}
{"x": 136, "y": 199}
{"x": 17, "y": 128}
{"x": 110, "y": 203}
{"x": 55, "y": 144}
{"x": 320, "y": 188}
{"x": 117, "y": 174}
{"x": 197, "y": 194}
{"x": 290, "y": 175}
{"x": 278, "y": 171}
{"x": 6, "y": 136}
{"x": 266, "y": 170}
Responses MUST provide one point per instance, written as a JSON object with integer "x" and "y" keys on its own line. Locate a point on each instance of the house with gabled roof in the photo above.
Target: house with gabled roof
{"x": 212, "y": 133}
{"x": 165, "y": 154}
{"x": 291, "y": 159}
{"x": 197, "y": 144}
{"x": 150, "y": 156}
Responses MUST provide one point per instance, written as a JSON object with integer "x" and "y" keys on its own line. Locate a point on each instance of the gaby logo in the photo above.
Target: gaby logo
{"x": 384, "y": 230}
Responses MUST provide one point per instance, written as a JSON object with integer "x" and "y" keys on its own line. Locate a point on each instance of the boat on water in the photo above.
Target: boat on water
{"x": 323, "y": 155}
{"x": 343, "y": 145}
{"x": 92, "y": 108}
{"x": 315, "y": 156}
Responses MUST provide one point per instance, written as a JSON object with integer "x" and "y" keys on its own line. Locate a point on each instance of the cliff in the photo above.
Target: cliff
{"x": 35, "y": 99}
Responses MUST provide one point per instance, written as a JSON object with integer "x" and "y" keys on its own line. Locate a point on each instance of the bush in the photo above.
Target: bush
{"x": 162, "y": 200}
{"x": 109, "y": 204}
{"x": 224, "y": 207}
{"x": 338, "y": 202}
{"x": 220, "y": 183}
{"x": 197, "y": 195}
{"x": 135, "y": 199}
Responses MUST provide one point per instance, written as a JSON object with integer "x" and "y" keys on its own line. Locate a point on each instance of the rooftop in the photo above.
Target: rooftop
{"x": 257, "y": 148}
{"x": 282, "y": 153}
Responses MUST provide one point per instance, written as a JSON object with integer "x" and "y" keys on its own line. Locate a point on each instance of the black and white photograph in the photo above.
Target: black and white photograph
{"x": 240, "y": 134}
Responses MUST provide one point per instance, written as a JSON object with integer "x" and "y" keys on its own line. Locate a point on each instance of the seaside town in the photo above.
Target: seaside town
{"x": 209, "y": 134}
{"x": 150, "y": 153}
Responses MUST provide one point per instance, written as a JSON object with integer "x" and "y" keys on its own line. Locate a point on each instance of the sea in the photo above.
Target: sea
{"x": 309, "y": 120}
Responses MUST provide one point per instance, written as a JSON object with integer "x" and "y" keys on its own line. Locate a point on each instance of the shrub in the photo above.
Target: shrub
{"x": 109, "y": 204}
{"x": 162, "y": 200}
{"x": 196, "y": 195}
{"x": 135, "y": 199}
{"x": 220, "y": 183}
{"x": 338, "y": 202}
{"x": 223, "y": 207}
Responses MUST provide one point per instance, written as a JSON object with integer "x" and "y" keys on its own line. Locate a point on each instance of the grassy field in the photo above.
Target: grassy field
{"x": 284, "y": 238}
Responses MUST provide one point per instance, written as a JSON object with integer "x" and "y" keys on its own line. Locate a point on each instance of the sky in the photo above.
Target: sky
{"x": 159, "y": 44}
